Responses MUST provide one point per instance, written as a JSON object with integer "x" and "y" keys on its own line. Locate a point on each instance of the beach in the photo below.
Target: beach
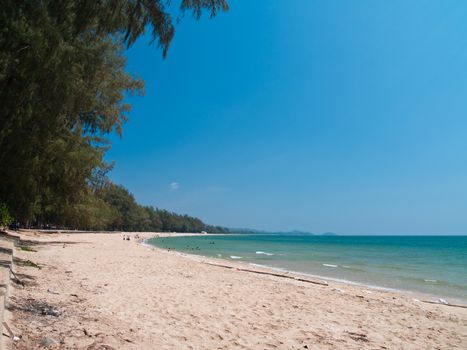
{"x": 432, "y": 265}
{"x": 102, "y": 292}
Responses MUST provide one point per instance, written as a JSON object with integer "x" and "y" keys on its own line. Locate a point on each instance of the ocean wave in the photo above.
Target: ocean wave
{"x": 235, "y": 257}
{"x": 264, "y": 253}
{"x": 432, "y": 281}
{"x": 330, "y": 265}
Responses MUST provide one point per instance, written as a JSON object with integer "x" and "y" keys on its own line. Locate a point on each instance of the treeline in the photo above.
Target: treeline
{"x": 114, "y": 208}
{"x": 62, "y": 89}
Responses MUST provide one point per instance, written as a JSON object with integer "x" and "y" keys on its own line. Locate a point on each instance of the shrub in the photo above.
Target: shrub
{"x": 5, "y": 218}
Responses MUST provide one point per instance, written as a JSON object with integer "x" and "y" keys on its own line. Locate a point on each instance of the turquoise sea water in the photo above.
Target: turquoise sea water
{"x": 435, "y": 265}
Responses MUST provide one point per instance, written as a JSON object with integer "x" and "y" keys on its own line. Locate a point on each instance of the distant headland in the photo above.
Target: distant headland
{"x": 243, "y": 230}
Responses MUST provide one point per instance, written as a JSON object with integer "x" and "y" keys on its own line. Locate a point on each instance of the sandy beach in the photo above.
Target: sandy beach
{"x": 97, "y": 291}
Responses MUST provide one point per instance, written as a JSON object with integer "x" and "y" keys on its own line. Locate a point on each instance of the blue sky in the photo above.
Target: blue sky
{"x": 343, "y": 116}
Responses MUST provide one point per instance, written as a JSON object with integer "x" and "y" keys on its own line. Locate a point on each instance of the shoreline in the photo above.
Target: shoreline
{"x": 116, "y": 294}
{"x": 414, "y": 294}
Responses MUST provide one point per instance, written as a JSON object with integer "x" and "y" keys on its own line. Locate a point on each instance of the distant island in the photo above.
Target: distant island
{"x": 236, "y": 230}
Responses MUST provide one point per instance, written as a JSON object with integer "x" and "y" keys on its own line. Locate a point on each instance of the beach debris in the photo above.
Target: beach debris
{"x": 50, "y": 312}
{"x": 358, "y": 336}
{"x": 443, "y": 301}
{"x": 52, "y": 292}
{"x": 270, "y": 274}
{"x": 97, "y": 345}
{"x": 447, "y": 303}
{"x": 338, "y": 290}
{"x": 10, "y": 332}
{"x": 40, "y": 307}
{"x": 76, "y": 299}
{"x": 16, "y": 279}
{"x": 47, "y": 342}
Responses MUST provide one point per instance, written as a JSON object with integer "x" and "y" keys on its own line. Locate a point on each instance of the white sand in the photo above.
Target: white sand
{"x": 115, "y": 294}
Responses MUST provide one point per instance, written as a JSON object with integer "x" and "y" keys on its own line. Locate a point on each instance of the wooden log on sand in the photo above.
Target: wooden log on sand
{"x": 445, "y": 304}
{"x": 270, "y": 274}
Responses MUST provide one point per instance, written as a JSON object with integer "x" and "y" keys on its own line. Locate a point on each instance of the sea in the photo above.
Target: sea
{"x": 434, "y": 265}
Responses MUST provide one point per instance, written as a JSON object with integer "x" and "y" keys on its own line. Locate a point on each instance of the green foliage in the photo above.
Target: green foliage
{"x": 5, "y": 217}
{"x": 62, "y": 89}
{"x": 127, "y": 215}
{"x": 60, "y": 93}
{"x": 29, "y": 263}
{"x": 26, "y": 248}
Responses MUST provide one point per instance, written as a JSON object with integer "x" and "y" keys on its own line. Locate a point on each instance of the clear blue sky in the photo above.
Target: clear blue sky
{"x": 343, "y": 116}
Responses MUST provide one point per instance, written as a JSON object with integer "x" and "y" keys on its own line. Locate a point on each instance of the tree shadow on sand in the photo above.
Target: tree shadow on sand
{"x": 18, "y": 242}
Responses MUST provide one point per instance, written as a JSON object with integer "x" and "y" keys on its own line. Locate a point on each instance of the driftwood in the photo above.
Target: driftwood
{"x": 448, "y": 304}
{"x": 8, "y": 330}
{"x": 311, "y": 281}
{"x": 11, "y": 335}
{"x": 269, "y": 273}
{"x": 15, "y": 277}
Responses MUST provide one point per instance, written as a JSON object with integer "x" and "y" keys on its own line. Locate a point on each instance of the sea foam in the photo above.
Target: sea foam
{"x": 330, "y": 265}
{"x": 264, "y": 253}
